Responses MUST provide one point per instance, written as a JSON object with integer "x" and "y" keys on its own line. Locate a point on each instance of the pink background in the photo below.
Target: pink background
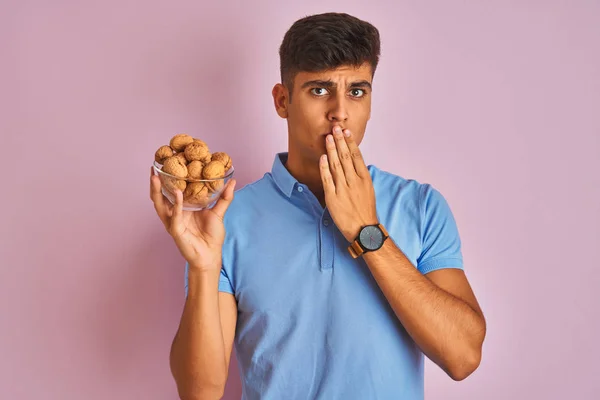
{"x": 495, "y": 103}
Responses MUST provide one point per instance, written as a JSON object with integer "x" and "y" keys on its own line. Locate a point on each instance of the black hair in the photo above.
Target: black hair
{"x": 327, "y": 41}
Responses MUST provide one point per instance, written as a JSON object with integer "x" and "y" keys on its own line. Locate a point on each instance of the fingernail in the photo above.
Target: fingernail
{"x": 347, "y": 133}
{"x": 337, "y": 129}
{"x": 330, "y": 138}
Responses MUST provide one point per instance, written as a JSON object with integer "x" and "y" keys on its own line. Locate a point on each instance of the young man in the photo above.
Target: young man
{"x": 334, "y": 277}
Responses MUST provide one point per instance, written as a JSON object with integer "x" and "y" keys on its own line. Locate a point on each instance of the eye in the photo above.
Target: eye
{"x": 357, "y": 93}
{"x": 320, "y": 92}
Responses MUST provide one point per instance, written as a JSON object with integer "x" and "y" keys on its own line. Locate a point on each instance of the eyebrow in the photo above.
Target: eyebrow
{"x": 329, "y": 84}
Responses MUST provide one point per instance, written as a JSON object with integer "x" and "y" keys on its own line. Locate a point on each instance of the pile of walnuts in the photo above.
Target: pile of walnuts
{"x": 189, "y": 159}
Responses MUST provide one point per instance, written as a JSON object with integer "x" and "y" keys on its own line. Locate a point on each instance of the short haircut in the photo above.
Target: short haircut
{"x": 327, "y": 41}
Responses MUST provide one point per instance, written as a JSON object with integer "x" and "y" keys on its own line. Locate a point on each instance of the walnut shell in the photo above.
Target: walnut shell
{"x": 214, "y": 170}
{"x": 223, "y": 158}
{"x": 171, "y": 184}
{"x": 215, "y": 186}
{"x": 195, "y": 169}
{"x": 162, "y": 154}
{"x": 178, "y": 142}
{"x": 182, "y": 158}
{"x": 207, "y": 159}
{"x": 196, "y": 193}
{"x": 196, "y": 151}
{"x": 175, "y": 167}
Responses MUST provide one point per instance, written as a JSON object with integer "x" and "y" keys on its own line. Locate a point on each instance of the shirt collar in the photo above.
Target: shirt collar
{"x": 281, "y": 175}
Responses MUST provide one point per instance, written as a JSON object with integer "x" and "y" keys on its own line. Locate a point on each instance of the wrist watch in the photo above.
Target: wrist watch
{"x": 370, "y": 238}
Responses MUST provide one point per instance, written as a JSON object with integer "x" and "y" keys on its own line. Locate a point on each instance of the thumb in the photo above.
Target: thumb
{"x": 225, "y": 200}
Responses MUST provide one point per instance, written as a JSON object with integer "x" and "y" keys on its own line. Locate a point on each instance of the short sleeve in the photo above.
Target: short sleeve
{"x": 224, "y": 282}
{"x": 440, "y": 241}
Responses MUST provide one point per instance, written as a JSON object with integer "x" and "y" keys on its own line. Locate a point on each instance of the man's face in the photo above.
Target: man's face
{"x": 322, "y": 100}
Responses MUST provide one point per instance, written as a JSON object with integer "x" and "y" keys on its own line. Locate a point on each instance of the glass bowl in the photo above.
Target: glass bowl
{"x": 205, "y": 194}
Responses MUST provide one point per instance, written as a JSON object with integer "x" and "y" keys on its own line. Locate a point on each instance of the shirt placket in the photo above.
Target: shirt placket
{"x": 327, "y": 240}
{"x": 326, "y": 229}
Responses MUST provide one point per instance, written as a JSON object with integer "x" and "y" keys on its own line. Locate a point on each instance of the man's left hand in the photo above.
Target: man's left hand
{"x": 349, "y": 193}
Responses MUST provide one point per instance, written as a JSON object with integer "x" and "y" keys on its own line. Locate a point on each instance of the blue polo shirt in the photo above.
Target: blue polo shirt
{"x": 312, "y": 321}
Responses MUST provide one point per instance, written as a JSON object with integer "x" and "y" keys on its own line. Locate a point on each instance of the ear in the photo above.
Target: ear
{"x": 280, "y": 98}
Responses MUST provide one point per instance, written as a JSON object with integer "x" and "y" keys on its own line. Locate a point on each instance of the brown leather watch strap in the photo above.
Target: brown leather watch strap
{"x": 355, "y": 250}
{"x": 385, "y": 233}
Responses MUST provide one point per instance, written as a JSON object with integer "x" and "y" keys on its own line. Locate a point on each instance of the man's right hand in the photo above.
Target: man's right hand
{"x": 199, "y": 235}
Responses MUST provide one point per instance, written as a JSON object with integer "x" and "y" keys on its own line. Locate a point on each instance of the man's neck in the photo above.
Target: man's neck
{"x": 305, "y": 172}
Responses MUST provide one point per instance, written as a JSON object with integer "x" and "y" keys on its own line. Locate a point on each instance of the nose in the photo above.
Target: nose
{"x": 338, "y": 110}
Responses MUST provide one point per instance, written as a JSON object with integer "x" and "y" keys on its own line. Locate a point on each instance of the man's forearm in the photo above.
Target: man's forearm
{"x": 446, "y": 328}
{"x": 198, "y": 359}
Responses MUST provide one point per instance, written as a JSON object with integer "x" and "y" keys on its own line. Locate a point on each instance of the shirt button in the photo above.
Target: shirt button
{"x": 300, "y": 189}
{"x": 326, "y": 222}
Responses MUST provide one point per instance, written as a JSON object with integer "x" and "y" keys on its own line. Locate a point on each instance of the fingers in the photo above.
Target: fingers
{"x": 158, "y": 198}
{"x": 225, "y": 200}
{"x": 335, "y": 166}
{"x": 326, "y": 178}
{"x": 343, "y": 154}
{"x": 177, "y": 219}
{"x": 151, "y": 175}
{"x": 356, "y": 156}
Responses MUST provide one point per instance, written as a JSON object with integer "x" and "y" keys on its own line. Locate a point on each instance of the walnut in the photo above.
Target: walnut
{"x": 174, "y": 166}
{"x": 196, "y": 151}
{"x": 195, "y": 169}
{"x": 171, "y": 183}
{"x": 162, "y": 154}
{"x": 196, "y": 193}
{"x": 223, "y": 158}
{"x": 182, "y": 158}
{"x": 207, "y": 159}
{"x": 178, "y": 142}
{"x": 214, "y": 170}
{"x": 215, "y": 186}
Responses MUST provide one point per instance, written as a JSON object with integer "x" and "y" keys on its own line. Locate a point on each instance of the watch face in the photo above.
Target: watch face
{"x": 371, "y": 237}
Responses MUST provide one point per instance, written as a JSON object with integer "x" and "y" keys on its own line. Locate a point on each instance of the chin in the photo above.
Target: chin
{"x": 322, "y": 149}
{"x": 313, "y": 154}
